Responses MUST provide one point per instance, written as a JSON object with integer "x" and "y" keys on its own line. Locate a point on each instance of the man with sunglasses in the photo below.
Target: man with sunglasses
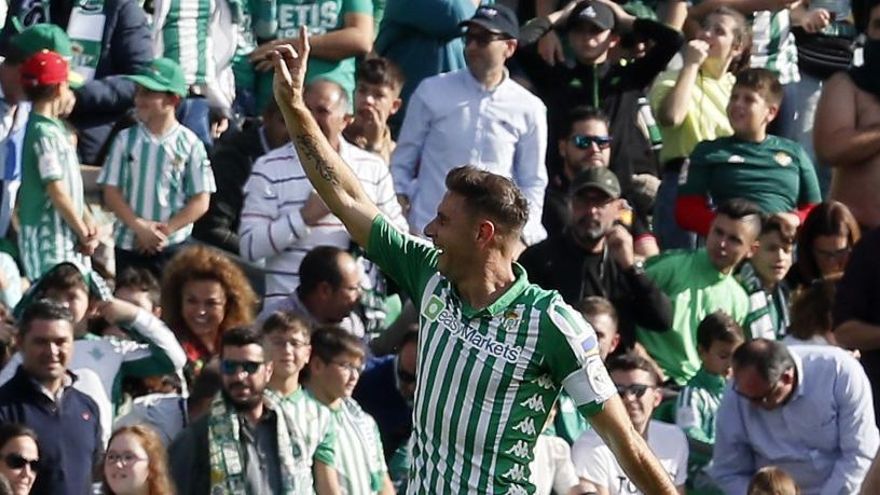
{"x": 805, "y": 409}
{"x": 477, "y": 116}
{"x": 639, "y": 387}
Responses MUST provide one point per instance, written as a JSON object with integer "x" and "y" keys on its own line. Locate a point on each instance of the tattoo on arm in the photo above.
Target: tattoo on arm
{"x": 309, "y": 147}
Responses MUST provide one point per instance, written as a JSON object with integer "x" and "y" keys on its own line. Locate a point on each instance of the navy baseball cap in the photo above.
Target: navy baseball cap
{"x": 496, "y": 18}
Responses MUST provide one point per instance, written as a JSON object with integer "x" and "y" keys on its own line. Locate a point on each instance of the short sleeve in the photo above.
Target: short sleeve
{"x": 325, "y": 453}
{"x": 696, "y": 174}
{"x": 592, "y": 460}
{"x": 409, "y": 261}
{"x": 200, "y": 176}
{"x": 808, "y": 187}
{"x": 661, "y": 87}
{"x": 111, "y": 172}
{"x": 48, "y": 160}
{"x": 356, "y": 7}
{"x": 689, "y": 414}
{"x": 379, "y": 450}
{"x": 571, "y": 349}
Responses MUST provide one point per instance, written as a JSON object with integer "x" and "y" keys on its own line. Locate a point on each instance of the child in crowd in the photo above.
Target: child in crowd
{"x": 334, "y": 369}
{"x": 286, "y": 341}
{"x": 763, "y": 278}
{"x": 773, "y": 481}
{"x": 55, "y": 225}
{"x": 773, "y": 172}
{"x": 157, "y": 178}
{"x": 718, "y": 335}
{"x": 376, "y": 99}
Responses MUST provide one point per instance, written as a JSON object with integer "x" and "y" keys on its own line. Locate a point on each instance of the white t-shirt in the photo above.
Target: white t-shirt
{"x": 595, "y": 462}
{"x": 552, "y": 470}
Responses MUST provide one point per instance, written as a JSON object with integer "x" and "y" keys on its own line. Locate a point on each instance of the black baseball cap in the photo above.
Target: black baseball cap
{"x": 496, "y": 18}
{"x": 599, "y": 178}
{"x": 589, "y": 12}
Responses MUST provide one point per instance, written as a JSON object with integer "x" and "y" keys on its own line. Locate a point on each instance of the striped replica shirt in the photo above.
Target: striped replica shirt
{"x": 48, "y": 155}
{"x": 182, "y": 32}
{"x": 273, "y": 228}
{"x": 360, "y": 462}
{"x": 773, "y": 45}
{"x": 695, "y": 411}
{"x": 312, "y": 435}
{"x": 486, "y": 378}
{"x": 156, "y": 176}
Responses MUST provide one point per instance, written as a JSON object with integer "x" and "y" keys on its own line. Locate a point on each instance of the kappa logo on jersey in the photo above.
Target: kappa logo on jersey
{"x": 519, "y": 449}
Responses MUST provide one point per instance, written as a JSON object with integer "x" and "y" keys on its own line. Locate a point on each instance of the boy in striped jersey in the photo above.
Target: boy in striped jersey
{"x": 334, "y": 369}
{"x": 494, "y": 349}
{"x": 718, "y": 335}
{"x": 157, "y": 178}
{"x": 312, "y": 433}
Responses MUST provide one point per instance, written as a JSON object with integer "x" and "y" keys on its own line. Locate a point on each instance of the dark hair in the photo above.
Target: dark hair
{"x": 490, "y": 194}
{"x": 718, "y": 327}
{"x": 774, "y": 223}
{"x": 827, "y": 218}
{"x": 630, "y": 361}
{"x": 769, "y": 358}
{"x": 343, "y": 94}
{"x": 772, "y": 480}
{"x": 330, "y": 342}
{"x": 63, "y": 276}
{"x": 285, "y": 320}
{"x": 140, "y": 279}
{"x": 811, "y": 308}
{"x": 381, "y": 72}
{"x": 39, "y": 93}
{"x": 593, "y": 306}
{"x": 742, "y": 210}
{"x": 8, "y": 431}
{"x": 321, "y": 264}
{"x": 579, "y": 114}
{"x": 206, "y": 385}
{"x": 239, "y": 337}
{"x": 43, "y": 309}
{"x": 762, "y": 81}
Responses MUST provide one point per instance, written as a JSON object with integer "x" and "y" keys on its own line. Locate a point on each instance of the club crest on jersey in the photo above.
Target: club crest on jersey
{"x": 782, "y": 158}
{"x": 434, "y": 307}
{"x": 511, "y": 320}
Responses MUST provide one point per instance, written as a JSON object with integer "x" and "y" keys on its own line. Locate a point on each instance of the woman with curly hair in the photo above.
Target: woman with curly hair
{"x": 204, "y": 293}
{"x": 135, "y": 463}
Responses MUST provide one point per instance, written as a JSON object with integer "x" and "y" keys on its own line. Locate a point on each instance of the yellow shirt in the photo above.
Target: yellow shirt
{"x": 706, "y": 117}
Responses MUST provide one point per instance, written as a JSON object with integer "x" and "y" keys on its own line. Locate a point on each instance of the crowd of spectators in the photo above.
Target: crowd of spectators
{"x": 182, "y": 313}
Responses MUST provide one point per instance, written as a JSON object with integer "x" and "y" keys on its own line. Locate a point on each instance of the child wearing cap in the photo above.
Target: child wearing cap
{"x": 55, "y": 225}
{"x": 157, "y": 178}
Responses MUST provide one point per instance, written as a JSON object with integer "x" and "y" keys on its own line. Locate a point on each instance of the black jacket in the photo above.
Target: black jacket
{"x": 559, "y": 263}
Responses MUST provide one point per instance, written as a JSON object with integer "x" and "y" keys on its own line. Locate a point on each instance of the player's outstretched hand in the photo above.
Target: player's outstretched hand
{"x": 290, "y": 63}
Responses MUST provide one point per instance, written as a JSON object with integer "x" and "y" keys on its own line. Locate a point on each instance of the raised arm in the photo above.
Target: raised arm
{"x": 331, "y": 177}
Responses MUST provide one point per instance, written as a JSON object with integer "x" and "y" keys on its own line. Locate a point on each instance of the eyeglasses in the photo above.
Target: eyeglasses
{"x": 483, "y": 38}
{"x": 586, "y": 141}
{"x": 763, "y": 399}
{"x": 229, "y": 367}
{"x": 833, "y": 255}
{"x": 17, "y": 461}
{"x": 636, "y": 389}
{"x": 126, "y": 459}
{"x": 281, "y": 342}
{"x": 353, "y": 368}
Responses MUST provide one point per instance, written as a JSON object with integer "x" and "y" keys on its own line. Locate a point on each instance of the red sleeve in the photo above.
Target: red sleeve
{"x": 693, "y": 213}
{"x": 804, "y": 210}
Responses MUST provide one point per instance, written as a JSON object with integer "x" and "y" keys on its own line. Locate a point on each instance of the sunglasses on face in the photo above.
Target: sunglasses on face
{"x": 585, "y": 142}
{"x": 483, "y": 38}
{"x": 636, "y": 389}
{"x": 229, "y": 367}
{"x": 16, "y": 461}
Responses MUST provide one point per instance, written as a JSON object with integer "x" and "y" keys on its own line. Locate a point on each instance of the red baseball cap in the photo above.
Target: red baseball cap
{"x": 45, "y": 68}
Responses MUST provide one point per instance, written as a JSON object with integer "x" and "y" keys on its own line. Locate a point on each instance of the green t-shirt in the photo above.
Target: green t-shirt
{"x": 487, "y": 377}
{"x": 696, "y": 288}
{"x": 776, "y": 174}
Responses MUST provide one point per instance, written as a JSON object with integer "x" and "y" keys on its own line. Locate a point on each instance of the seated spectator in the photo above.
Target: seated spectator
{"x": 763, "y": 278}
{"x": 334, "y": 368}
{"x": 139, "y": 287}
{"x": 376, "y": 99}
{"x": 204, "y": 294}
{"x": 136, "y": 462}
{"x": 805, "y": 409}
{"x": 508, "y": 136}
{"x": 595, "y": 257}
{"x": 639, "y": 387}
{"x": 286, "y": 339}
{"x": 10, "y": 281}
{"x": 41, "y": 397}
{"x": 232, "y": 159}
{"x": 701, "y": 282}
{"x": 812, "y": 314}
{"x": 328, "y": 291}
{"x": 825, "y": 242}
{"x": 690, "y": 105}
{"x": 718, "y": 336}
{"x": 844, "y": 133}
{"x": 773, "y": 172}
{"x": 243, "y": 443}
{"x": 55, "y": 225}
{"x": 772, "y": 481}
{"x": 19, "y": 457}
{"x": 552, "y": 469}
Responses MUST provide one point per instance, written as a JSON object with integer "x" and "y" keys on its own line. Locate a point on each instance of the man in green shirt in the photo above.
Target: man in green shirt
{"x": 699, "y": 282}
{"x": 494, "y": 350}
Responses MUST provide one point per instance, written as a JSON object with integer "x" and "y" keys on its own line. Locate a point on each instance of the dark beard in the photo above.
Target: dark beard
{"x": 243, "y": 405}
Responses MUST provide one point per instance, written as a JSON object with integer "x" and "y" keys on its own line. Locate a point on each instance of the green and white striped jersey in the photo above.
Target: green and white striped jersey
{"x": 773, "y": 45}
{"x": 360, "y": 461}
{"x": 486, "y": 378}
{"x": 156, "y": 176}
{"x": 182, "y": 32}
{"x": 48, "y": 155}
{"x": 695, "y": 411}
{"x": 312, "y": 435}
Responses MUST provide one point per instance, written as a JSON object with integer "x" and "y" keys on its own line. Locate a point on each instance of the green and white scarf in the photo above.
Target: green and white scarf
{"x": 86, "y": 31}
{"x": 224, "y": 448}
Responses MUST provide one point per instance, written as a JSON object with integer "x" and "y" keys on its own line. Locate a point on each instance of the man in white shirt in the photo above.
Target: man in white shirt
{"x": 283, "y": 219}
{"x": 476, "y": 116}
{"x": 638, "y": 385}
